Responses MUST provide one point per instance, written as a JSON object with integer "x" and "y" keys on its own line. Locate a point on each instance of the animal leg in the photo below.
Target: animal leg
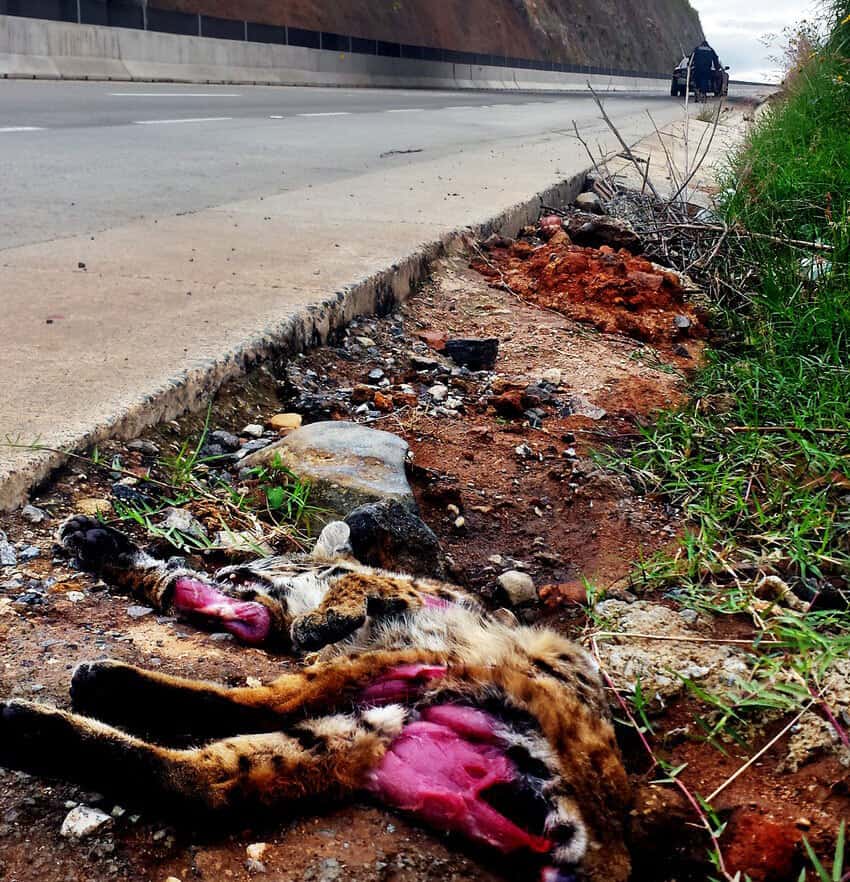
{"x": 166, "y": 708}
{"x": 330, "y": 754}
{"x": 117, "y": 559}
{"x": 347, "y": 603}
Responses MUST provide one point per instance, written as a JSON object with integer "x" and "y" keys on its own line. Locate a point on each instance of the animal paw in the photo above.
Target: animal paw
{"x": 94, "y": 545}
{"x": 98, "y": 687}
{"x": 30, "y": 735}
{"x": 314, "y": 630}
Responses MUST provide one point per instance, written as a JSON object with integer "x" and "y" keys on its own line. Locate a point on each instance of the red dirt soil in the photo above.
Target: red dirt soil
{"x": 615, "y": 292}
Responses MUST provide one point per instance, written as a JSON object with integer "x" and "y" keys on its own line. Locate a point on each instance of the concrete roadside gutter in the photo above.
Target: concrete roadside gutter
{"x": 119, "y": 331}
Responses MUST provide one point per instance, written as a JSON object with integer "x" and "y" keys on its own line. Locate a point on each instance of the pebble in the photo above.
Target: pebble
{"x": 518, "y": 586}
{"x": 681, "y": 322}
{"x": 30, "y": 552}
{"x": 252, "y": 430}
{"x": 92, "y": 506}
{"x": 227, "y": 440}
{"x": 253, "y": 447}
{"x": 439, "y": 392}
{"x": 689, "y": 616}
{"x": 552, "y": 376}
{"x": 141, "y": 445}
{"x": 75, "y": 596}
{"x": 8, "y": 558}
{"x": 33, "y": 514}
{"x": 365, "y": 342}
{"x": 138, "y": 612}
{"x": 376, "y": 374}
{"x": 286, "y": 421}
{"x": 459, "y": 523}
{"x": 83, "y": 821}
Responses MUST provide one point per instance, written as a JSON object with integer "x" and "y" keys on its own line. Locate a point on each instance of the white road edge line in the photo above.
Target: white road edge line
{"x": 407, "y": 110}
{"x": 327, "y": 113}
{"x": 175, "y": 94}
{"x": 162, "y": 122}
{"x": 22, "y": 129}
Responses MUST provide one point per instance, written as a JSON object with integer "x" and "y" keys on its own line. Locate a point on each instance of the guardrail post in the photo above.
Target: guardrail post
{"x": 79, "y": 13}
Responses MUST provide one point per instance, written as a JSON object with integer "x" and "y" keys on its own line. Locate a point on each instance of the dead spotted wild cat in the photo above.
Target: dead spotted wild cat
{"x": 468, "y": 722}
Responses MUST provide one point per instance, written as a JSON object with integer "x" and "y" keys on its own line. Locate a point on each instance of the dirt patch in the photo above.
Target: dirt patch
{"x": 613, "y": 291}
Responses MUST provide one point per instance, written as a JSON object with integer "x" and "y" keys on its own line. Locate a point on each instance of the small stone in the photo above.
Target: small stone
{"x": 452, "y": 509}
{"x": 8, "y": 558}
{"x": 518, "y": 586}
{"x": 184, "y": 522}
{"x": 30, "y": 552}
{"x": 523, "y": 451}
{"x": 552, "y": 376}
{"x": 252, "y": 430}
{"x": 365, "y": 342}
{"x": 590, "y": 202}
{"x": 803, "y": 823}
{"x": 224, "y": 439}
{"x": 221, "y": 637}
{"x": 689, "y": 616}
{"x": 564, "y": 594}
{"x": 83, "y": 821}
{"x": 435, "y": 339}
{"x": 453, "y": 403}
{"x": 118, "y": 811}
{"x": 496, "y": 559}
{"x": 75, "y": 596}
{"x": 93, "y": 506}
{"x": 422, "y": 363}
{"x": 581, "y": 406}
{"x": 509, "y": 404}
{"x": 256, "y": 850}
{"x": 141, "y": 445}
{"x": 682, "y": 322}
{"x": 383, "y": 402}
{"x": 439, "y": 392}
{"x": 170, "y": 878}
{"x": 253, "y": 446}
{"x": 33, "y": 514}
{"x": 138, "y": 612}
{"x": 477, "y": 354}
{"x": 286, "y": 421}
{"x": 460, "y": 523}
{"x": 376, "y": 374}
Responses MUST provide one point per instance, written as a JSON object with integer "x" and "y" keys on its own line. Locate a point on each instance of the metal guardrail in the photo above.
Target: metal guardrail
{"x": 129, "y": 14}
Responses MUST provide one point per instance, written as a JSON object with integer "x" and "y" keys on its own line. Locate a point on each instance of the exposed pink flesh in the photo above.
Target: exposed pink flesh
{"x": 250, "y": 622}
{"x": 402, "y": 683}
{"x": 437, "y": 772}
{"x": 431, "y": 602}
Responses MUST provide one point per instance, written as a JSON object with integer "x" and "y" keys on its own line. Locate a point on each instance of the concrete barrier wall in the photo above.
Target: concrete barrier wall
{"x": 37, "y": 49}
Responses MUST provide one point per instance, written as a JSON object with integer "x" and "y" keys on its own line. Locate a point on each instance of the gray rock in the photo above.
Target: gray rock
{"x": 439, "y": 391}
{"x": 33, "y": 514}
{"x": 376, "y": 374}
{"x": 83, "y": 821}
{"x": 253, "y": 446}
{"x": 346, "y": 464}
{"x": 253, "y": 430}
{"x": 590, "y": 202}
{"x": 8, "y": 558}
{"x": 138, "y": 612}
{"x": 681, "y": 322}
{"x": 595, "y": 230}
{"x": 518, "y": 586}
{"x": 477, "y": 354}
{"x": 581, "y": 406}
{"x": 140, "y": 445}
{"x": 224, "y": 439}
{"x": 387, "y": 535}
{"x": 30, "y": 552}
{"x": 183, "y": 521}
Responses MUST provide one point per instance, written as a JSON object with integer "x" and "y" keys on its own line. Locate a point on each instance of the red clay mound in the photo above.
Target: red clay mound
{"x": 615, "y": 292}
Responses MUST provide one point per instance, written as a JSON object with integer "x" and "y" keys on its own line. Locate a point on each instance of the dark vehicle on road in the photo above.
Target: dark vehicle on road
{"x": 718, "y": 83}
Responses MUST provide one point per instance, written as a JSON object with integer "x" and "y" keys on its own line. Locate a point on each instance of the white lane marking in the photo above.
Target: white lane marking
{"x": 462, "y": 107}
{"x": 163, "y": 122}
{"x": 175, "y": 94}
{"x": 328, "y": 113}
{"x": 276, "y": 116}
{"x": 22, "y": 129}
{"x": 408, "y": 110}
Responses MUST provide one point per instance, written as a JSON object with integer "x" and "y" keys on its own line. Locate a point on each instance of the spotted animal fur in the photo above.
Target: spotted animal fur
{"x": 394, "y": 657}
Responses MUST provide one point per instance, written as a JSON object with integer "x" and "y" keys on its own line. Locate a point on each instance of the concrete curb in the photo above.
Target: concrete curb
{"x": 37, "y": 49}
{"x": 313, "y": 326}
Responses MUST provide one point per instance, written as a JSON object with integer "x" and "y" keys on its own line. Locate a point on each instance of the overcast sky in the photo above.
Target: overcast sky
{"x": 735, "y": 28}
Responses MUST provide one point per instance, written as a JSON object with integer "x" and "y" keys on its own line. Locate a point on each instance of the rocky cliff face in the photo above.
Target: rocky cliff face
{"x": 646, "y": 35}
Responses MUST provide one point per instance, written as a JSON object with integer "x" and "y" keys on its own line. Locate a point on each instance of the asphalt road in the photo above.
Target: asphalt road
{"x": 83, "y": 157}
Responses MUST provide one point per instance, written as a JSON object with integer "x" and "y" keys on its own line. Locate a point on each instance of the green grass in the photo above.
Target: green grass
{"x": 759, "y": 459}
